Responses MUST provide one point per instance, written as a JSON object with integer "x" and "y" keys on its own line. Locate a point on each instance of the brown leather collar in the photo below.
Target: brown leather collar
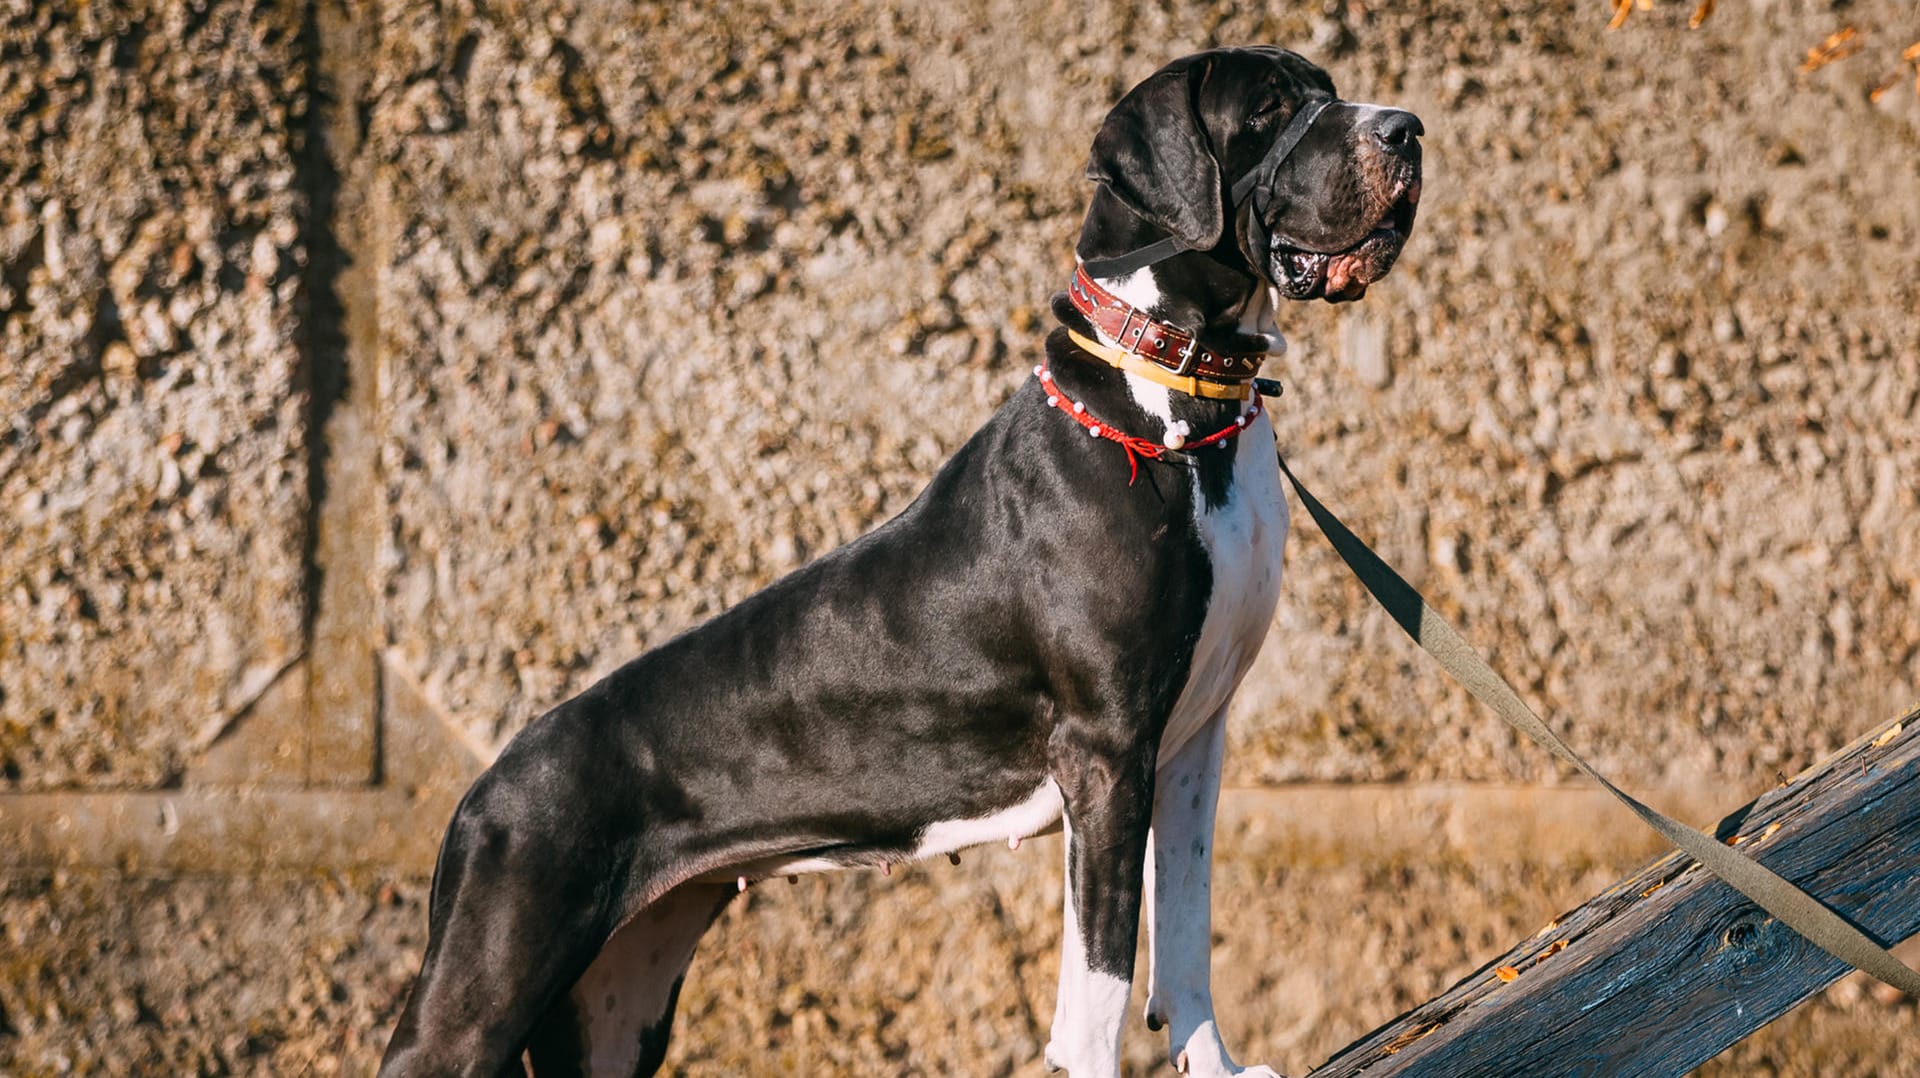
{"x": 1156, "y": 342}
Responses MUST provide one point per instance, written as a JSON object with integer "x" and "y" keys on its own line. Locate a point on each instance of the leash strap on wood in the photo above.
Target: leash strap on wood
{"x": 1787, "y": 902}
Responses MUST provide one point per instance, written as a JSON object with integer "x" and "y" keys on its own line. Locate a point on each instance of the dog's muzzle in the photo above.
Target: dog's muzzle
{"x": 1341, "y": 270}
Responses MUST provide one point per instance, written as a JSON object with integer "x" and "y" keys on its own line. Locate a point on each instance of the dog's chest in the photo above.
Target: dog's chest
{"x": 1243, "y": 537}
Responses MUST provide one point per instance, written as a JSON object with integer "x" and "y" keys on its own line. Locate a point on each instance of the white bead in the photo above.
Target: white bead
{"x": 1078, "y": 407}
{"x": 1174, "y": 439}
{"x": 1240, "y": 422}
{"x": 1053, "y": 402}
{"x": 743, "y": 883}
{"x": 1093, "y": 432}
{"x": 1039, "y": 371}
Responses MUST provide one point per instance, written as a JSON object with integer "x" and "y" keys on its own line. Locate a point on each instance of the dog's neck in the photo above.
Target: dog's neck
{"x": 1232, "y": 312}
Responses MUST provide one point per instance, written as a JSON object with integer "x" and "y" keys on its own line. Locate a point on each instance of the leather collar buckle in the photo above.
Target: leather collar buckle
{"x": 1186, "y": 357}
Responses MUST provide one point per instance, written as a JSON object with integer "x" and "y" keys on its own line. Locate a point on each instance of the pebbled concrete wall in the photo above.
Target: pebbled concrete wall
{"x": 664, "y": 302}
{"x": 669, "y": 306}
{"x": 153, "y": 416}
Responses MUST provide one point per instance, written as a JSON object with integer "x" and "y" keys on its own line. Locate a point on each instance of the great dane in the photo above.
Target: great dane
{"x": 1050, "y": 634}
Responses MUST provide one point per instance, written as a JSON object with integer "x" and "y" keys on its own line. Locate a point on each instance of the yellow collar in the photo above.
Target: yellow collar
{"x": 1191, "y": 386}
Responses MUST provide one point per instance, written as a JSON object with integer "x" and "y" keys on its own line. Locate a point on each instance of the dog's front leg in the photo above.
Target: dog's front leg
{"x": 1108, "y": 799}
{"x": 1180, "y": 922}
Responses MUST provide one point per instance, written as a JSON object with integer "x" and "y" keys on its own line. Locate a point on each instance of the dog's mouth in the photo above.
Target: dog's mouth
{"x": 1343, "y": 276}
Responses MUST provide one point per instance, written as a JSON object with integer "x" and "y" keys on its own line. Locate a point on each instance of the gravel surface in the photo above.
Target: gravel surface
{"x": 937, "y": 970}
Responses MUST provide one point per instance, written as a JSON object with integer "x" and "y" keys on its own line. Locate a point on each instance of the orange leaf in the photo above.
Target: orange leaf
{"x": 1911, "y": 53}
{"x": 1839, "y": 45}
{"x": 1507, "y": 974}
{"x": 1621, "y": 9}
{"x": 1700, "y": 14}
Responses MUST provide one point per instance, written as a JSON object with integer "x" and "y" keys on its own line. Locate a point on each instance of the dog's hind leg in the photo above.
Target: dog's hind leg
{"x": 616, "y": 1019}
{"x": 528, "y": 886}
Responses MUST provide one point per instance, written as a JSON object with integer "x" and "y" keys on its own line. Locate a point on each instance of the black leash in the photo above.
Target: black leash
{"x": 1792, "y": 906}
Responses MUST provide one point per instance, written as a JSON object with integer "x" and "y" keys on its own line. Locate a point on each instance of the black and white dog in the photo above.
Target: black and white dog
{"x": 1051, "y": 633}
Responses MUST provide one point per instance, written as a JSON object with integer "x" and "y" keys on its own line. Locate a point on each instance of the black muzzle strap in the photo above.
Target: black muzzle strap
{"x": 1260, "y": 180}
{"x": 1257, "y": 182}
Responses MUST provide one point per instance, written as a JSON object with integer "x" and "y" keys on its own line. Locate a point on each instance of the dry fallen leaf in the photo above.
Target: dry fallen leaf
{"x": 1892, "y": 732}
{"x": 1839, "y": 45}
{"x": 1911, "y": 54}
{"x": 1880, "y": 91}
{"x": 1700, "y": 14}
{"x": 1621, "y": 9}
{"x": 1652, "y": 889}
{"x": 1507, "y": 974}
{"x": 1554, "y": 948}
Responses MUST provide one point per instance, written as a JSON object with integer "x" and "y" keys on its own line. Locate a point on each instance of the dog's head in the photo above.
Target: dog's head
{"x": 1325, "y": 221}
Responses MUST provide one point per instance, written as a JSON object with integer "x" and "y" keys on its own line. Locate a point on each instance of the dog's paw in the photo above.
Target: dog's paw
{"x": 1211, "y": 1069}
{"x": 1205, "y": 1057}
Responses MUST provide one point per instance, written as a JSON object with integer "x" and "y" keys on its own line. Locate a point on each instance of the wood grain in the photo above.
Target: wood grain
{"x": 1664, "y": 970}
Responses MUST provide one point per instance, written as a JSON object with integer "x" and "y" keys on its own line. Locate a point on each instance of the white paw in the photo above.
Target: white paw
{"x": 1212, "y": 1069}
{"x": 1205, "y": 1057}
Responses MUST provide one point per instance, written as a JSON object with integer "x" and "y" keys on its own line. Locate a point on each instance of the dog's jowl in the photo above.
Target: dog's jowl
{"x": 1051, "y": 634}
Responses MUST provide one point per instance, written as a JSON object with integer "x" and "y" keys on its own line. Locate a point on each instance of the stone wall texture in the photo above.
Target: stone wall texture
{"x": 598, "y": 317}
{"x": 153, "y": 436}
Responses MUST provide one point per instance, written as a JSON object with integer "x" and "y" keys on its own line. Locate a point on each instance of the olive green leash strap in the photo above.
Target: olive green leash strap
{"x": 1791, "y": 905}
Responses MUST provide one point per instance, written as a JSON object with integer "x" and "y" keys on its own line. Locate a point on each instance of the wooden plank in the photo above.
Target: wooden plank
{"x": 1664, "y": 970}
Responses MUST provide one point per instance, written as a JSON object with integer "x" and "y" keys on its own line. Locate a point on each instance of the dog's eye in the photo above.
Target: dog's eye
{"x": 1264, "y": 114}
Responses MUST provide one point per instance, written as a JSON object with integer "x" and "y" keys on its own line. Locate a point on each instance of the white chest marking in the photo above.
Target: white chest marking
{"x": 1243, "y": 539}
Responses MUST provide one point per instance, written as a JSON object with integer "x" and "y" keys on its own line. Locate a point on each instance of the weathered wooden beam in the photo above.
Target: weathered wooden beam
{"x": 1665, "y": 969}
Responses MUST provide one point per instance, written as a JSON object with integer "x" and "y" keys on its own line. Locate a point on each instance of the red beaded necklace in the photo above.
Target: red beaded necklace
{"x": 1137, "y": 447}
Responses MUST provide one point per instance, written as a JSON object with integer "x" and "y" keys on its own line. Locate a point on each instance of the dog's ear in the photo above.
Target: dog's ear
{"x": 1154, "y": 156}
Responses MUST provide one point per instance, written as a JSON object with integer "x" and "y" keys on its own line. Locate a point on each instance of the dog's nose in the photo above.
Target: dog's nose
{"x": 1396, "y": 129}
